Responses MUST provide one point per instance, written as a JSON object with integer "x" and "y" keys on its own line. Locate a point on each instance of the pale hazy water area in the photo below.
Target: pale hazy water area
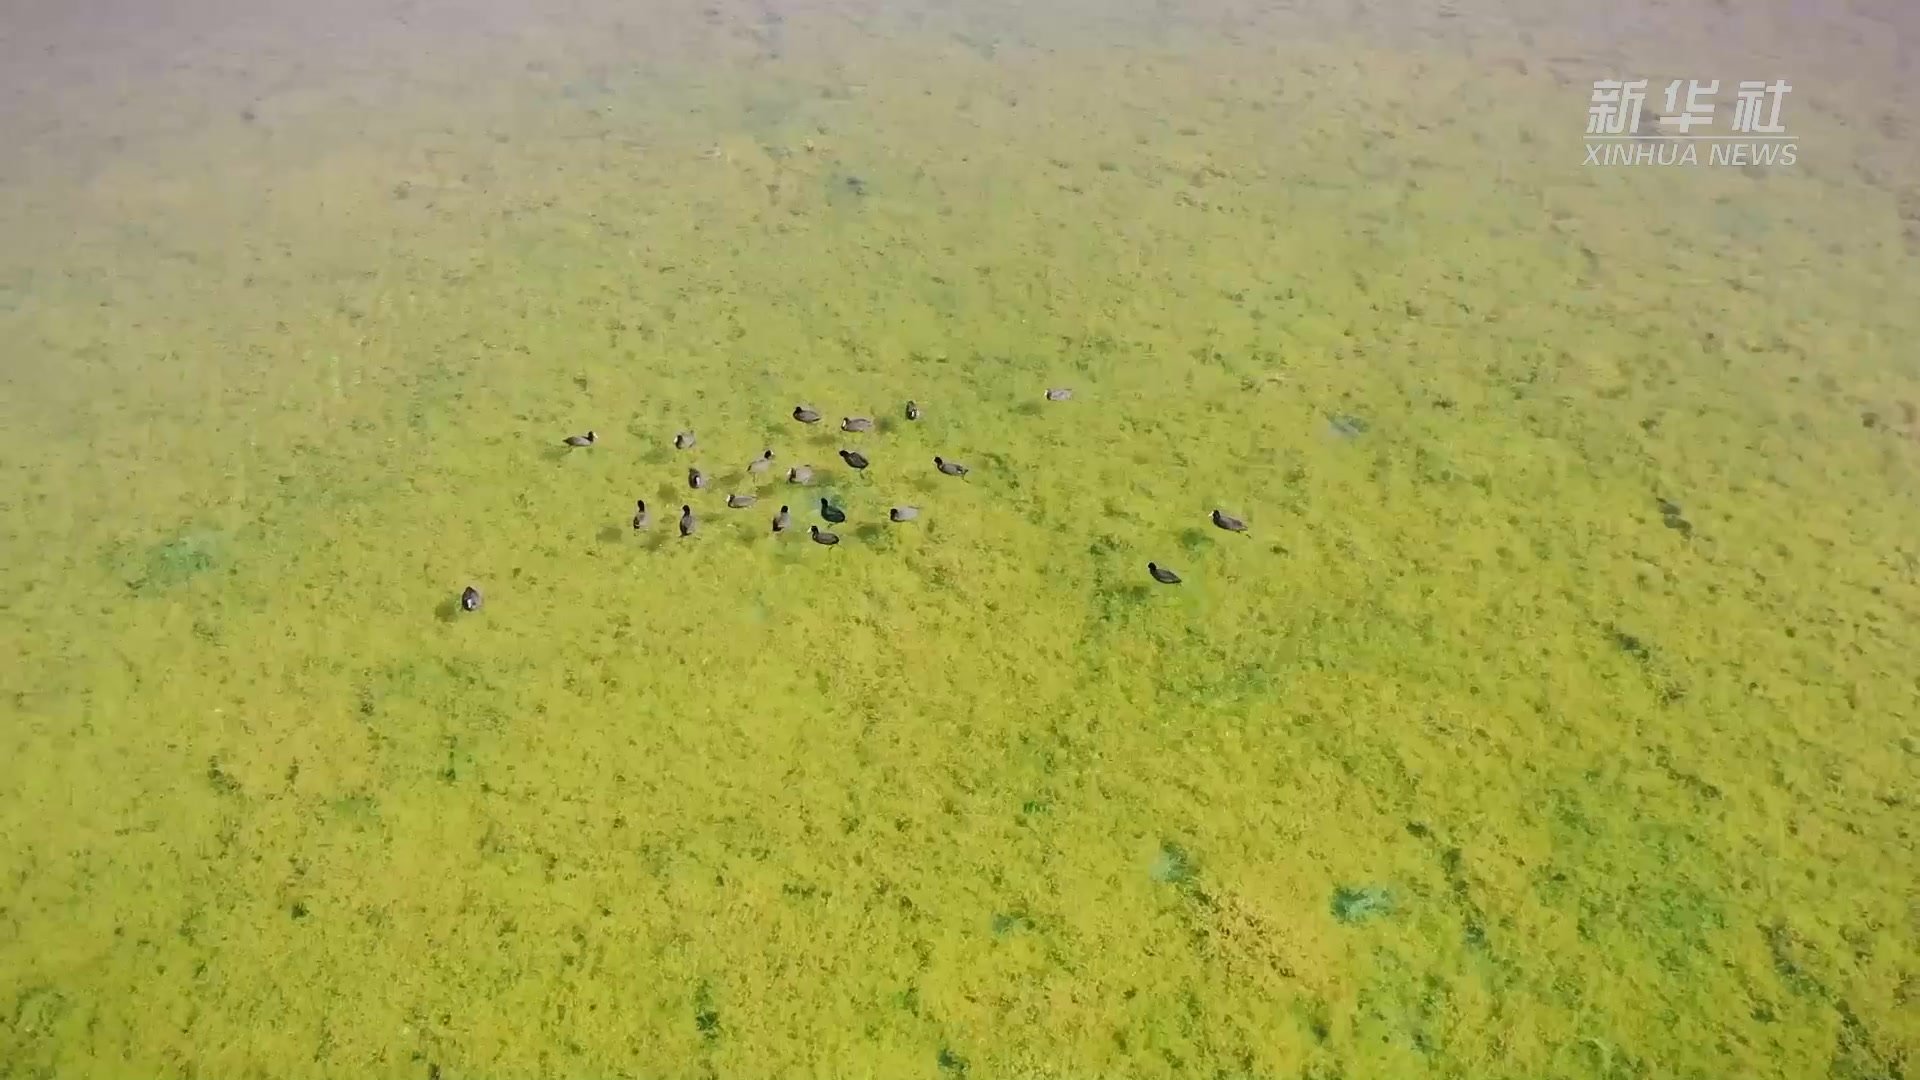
{"x": 1558, "y": 715}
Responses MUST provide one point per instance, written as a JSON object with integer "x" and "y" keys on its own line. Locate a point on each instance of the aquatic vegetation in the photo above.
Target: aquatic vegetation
{"x": 1345, "y": 426}
{"x": 177, "y": 560}
{"x": 1354, "y": 905}
{"x": 1172, "y": 865}
{"x": 1551, "y": 718}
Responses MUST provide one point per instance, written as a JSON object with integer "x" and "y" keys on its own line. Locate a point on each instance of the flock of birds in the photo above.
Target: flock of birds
{"x": 470, "y": 598}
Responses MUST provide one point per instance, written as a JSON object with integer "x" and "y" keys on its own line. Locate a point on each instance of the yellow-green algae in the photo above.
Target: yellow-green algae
{"x": 1462, "y": 763}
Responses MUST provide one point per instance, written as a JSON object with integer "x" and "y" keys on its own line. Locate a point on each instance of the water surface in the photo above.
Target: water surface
{"x": 1466, "y": 760}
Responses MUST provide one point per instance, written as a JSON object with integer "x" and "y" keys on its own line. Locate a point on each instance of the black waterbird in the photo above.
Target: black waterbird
{"x": 856, "y": 423}
{"x": 951, "y": 468}
{"x": 641, "y": 519}
{"x": 806, "y": 414}
{"x": 696, "y": 479}
{"x": 762, "y": 463}
{"x": 687, "y": 523}
{"x": 683, "y": 441}
{"x": 781, "y": 520}
{"x": 827, "y": 538}
{"x": 1228, "y": 521}
{"x": 913, "y": 410}
{"x": 854, "y": 458}
{"x": 580, "y": 440}
{"x": 832, "y": 513}
{"x": 739, "y": 502}
{"x": 1163, "y": 575}
{"x": 903, "y": 513}
{"x": 470, "y": 599}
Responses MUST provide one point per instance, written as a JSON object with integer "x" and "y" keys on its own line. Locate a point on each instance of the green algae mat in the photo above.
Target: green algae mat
{"x": 1556, "y": 715}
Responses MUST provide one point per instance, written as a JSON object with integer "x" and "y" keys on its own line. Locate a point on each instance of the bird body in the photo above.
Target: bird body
{"x": 913, "y": 410}
{"x": 854, "y": 458}
{"x": 581, "y": 440}
{"x": 832, "y": 513}
{"x": 762, "y": 463}
{"x": 1163, "y": 575}
{"x": 696, "y": 479}
{"x": 951, "y": 468}
{"x": 739, "y": 502}
{"x": 806, "y": 414}
{"x": 470, "y": 599}
{"x": 1228, "y": 522}
{"x": 856, "y": 423}
{"x": 781, "y": 520}
{"x": 641, "y": 519}
{"x": 687, "y": 522}
{"x": 683, "y": 441}
{"x": 903, "y": 513}
{"x": 820, "y": 537}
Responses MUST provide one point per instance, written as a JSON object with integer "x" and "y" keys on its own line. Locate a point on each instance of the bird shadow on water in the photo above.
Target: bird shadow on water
{"x": 447, "y": 610}
{"x": 610, "y": 533}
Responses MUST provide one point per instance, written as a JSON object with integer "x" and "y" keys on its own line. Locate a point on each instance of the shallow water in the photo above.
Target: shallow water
{"x": 1466, "y": 760}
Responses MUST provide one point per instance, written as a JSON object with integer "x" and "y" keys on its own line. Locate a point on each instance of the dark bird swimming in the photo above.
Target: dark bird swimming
{"x": 781, "y": 520}
{"x": 806, "y": 415}
{"x": 687, "y": 523}
{"x": 826, "y": 538}
{"x": 856, "y": 423}
{"x": 1163, "y": 575}
{"x": 903, "y": 513}
{"x": 762, "y": 463}
{"x": 696, "y": 479}
{"x": 832, "y": 513}
{"x": 800, "y": 474}
{"x": 470, "y": 599}
{"x": 683, "y": 441}
{"x": 580, "y": 440}
{"x": 854, "y": 458}
{"x": 1228, "y": 521}
{"x": 641, "y": 519}
{"x": 1059, "y": 393}
{"x": 951, "y": 468}
{"x": 739, "y": 502}
{"x": 913, "y": 410}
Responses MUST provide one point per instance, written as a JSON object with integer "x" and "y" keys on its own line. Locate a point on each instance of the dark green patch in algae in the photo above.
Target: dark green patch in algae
{"x": 706, "y": 1018}
{"x": 952, "y": 1065}
{"x": 175, "y": 561}
{"x": 1358, "y": 905}
{"x": 1193, "y": 540}
{"x": 1172, "y": 866}
{"x": 1114, "y": 600}
{"x": 1005, "y": 923}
